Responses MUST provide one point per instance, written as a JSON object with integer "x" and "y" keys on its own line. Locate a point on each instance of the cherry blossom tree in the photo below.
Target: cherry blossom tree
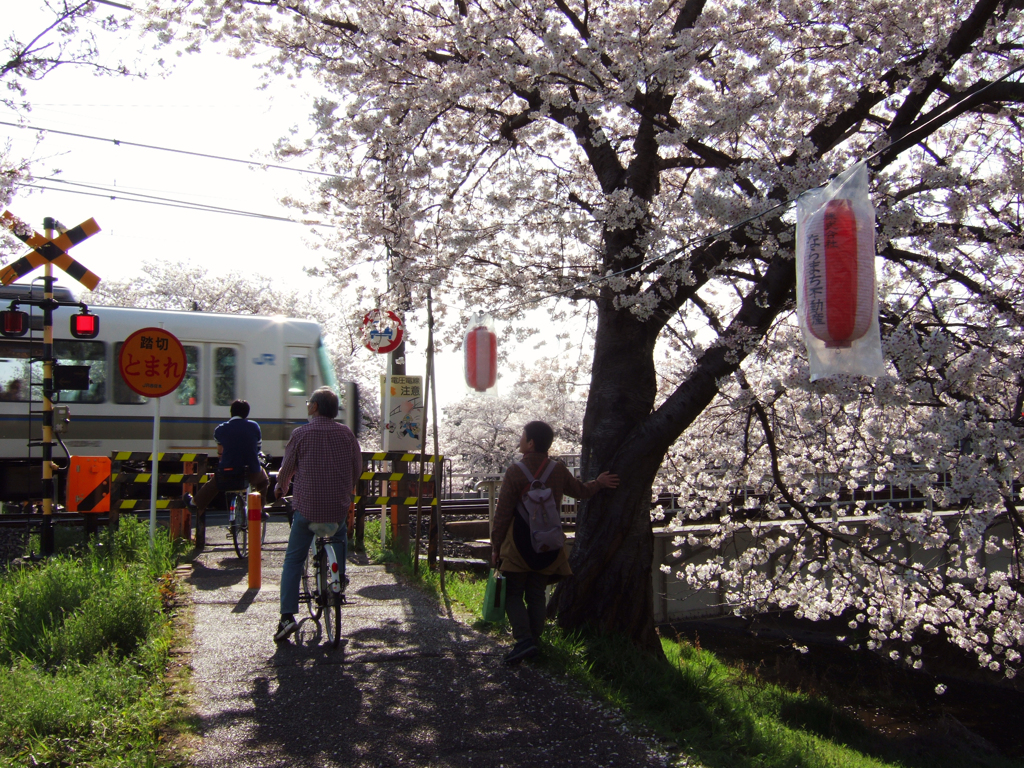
{"x": 192, "y": 287}
{"x": 480, "y": 432}
{"x": 638, "y": 159}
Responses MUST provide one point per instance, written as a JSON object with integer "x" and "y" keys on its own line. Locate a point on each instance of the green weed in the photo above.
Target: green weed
{"x": 719, "y": 715}
{"x": 83, "y": 648}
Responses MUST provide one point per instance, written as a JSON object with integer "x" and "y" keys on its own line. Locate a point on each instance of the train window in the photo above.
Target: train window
{"x": 297, "y": 379}
{"x": 14, "y": 370}
{"x": 188, "y": 391}
{"x": 124, "y": 394}
{"x": 224, "y": 375}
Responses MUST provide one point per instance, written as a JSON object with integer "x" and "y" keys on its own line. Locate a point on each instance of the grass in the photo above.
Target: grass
{"x": 84, "y": 643}
{"x": 719, "y": 715}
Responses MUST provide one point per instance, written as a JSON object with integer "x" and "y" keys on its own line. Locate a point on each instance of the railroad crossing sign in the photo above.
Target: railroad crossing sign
{"x": 152, "y": 362}
{"x": 46, "y": 250}
{"x": 383, "y": 330}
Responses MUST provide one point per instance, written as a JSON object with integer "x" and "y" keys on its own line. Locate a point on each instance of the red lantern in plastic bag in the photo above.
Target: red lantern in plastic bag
{"x": 839, "y": 277}
{"x": 835, "y": 263}
{"x": 481, "y": 350}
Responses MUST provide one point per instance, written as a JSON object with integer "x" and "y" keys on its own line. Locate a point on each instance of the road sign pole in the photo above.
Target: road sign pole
{"x": 152, "y": 363}
{"x": 155, "y": 470}
{"x": 396, "y": 364}
{"x": 155, "y": 473}
{"x": 46, "y": 540}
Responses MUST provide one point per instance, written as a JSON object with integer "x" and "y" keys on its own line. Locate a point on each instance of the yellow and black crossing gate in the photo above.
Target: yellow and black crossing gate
{"x": 177, "y": 474}
{"x": 47, "y": 250}
{"x": 380, "y": 485}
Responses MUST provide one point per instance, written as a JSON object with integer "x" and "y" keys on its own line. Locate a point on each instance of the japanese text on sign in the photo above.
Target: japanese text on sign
{"x": 152, "y": 362}
{"x": 402, "y": 412}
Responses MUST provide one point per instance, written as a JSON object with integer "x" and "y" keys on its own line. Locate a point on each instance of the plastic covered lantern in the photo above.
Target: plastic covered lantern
{"x": 837, "y": 305}
{"x": 838, "y": 280}
{"x": 480, "y": 347}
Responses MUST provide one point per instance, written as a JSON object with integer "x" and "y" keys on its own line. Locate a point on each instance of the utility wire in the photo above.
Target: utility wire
{"x": 120, "y": 143}
{"x": 168, "y": 203}
{"x": 116, "y": 193}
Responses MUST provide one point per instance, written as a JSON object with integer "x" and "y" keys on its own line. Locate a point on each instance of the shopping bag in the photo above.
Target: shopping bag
{"x": 494, "y": 597}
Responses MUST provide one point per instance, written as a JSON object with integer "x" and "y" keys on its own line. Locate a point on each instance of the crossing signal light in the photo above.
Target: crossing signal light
{"x": 84, "y": 325}
{"x": 14, "y": 323}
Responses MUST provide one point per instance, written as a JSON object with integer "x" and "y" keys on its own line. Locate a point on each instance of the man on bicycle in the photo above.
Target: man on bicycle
{"x": 238, "y": 442}
{"x": 324, "y": 460}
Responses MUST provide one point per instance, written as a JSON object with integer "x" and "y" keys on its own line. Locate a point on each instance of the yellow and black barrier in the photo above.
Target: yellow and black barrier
{"x": 177, "y": 473}
{"x": 409, "y": 501}
{"x": 387, "y": 482}
{"x": 394, "y": 476}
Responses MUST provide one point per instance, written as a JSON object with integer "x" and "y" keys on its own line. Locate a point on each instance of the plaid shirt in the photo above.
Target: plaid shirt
{"x": 325, "y": 460}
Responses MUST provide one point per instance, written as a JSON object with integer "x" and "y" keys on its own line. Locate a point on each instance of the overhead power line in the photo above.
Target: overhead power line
{"x": 157, "y": 148}
{"x": 138, "y": 197}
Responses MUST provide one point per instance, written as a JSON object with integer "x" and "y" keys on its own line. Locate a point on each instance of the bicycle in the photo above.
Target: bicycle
{"x": 235, "y": 487}
{"x": 238, "y": 521}
{"x": 323, "y": 586}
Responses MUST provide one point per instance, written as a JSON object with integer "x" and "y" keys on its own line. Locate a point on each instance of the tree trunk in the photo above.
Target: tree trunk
{"x": 611, "y": 559}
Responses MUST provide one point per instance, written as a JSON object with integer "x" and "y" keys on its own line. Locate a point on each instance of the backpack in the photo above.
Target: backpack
{"x": 538, "y": 508}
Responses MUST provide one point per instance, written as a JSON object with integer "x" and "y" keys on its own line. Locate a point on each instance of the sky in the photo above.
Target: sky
{"x": 209, "y": 103}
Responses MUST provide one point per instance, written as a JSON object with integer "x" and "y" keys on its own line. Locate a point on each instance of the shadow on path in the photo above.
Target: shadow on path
{"x": 408, "y": 687}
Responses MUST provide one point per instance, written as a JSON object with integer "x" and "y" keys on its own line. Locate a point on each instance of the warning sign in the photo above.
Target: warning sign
{"x": 383, "y": 331}
{"x": 152, "y": 362}
{"x": 401, "y": 412}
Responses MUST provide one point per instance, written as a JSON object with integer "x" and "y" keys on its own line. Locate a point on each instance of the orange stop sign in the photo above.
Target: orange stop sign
{"x": 152, "y": 362}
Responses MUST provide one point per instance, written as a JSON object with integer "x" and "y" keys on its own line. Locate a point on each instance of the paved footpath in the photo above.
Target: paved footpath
{"x": 409, "y": 685}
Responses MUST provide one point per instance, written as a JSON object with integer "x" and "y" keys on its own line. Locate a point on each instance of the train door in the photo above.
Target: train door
{"x": 183, "y": 411}
{"x": 226, "y": 370}
{"x": 298, "y": 382}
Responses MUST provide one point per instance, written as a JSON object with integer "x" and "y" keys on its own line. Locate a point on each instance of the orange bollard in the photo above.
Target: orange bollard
{"x": 255, "y": 528}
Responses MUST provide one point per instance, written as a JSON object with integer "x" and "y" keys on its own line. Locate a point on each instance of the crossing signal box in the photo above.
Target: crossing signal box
{"x": 85, "y": 326}
{"x": 88, "y": 484}
{"x": 14, "y": 323}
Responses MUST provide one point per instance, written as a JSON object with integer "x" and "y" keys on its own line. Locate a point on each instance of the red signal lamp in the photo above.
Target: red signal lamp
{"x": 13, "y": 323}
{"x": 84, "y": 325}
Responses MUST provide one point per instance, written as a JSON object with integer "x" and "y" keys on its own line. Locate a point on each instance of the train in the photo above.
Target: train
{"x": 274, "y": 363}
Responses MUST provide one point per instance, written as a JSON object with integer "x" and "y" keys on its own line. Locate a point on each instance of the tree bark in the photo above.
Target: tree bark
{"x": 611, "y": 589}
{"x": 612, "y": 556}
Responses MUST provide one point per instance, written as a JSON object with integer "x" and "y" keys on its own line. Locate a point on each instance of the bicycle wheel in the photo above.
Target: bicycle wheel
{"x": 333, "y": 621}
{"x": 332, "y": 604}
{"x": 240, "y": 527}
{"x": 309, "y": 584}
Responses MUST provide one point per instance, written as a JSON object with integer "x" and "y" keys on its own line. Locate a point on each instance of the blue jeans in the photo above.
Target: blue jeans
{"x": 299, "y": 541}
